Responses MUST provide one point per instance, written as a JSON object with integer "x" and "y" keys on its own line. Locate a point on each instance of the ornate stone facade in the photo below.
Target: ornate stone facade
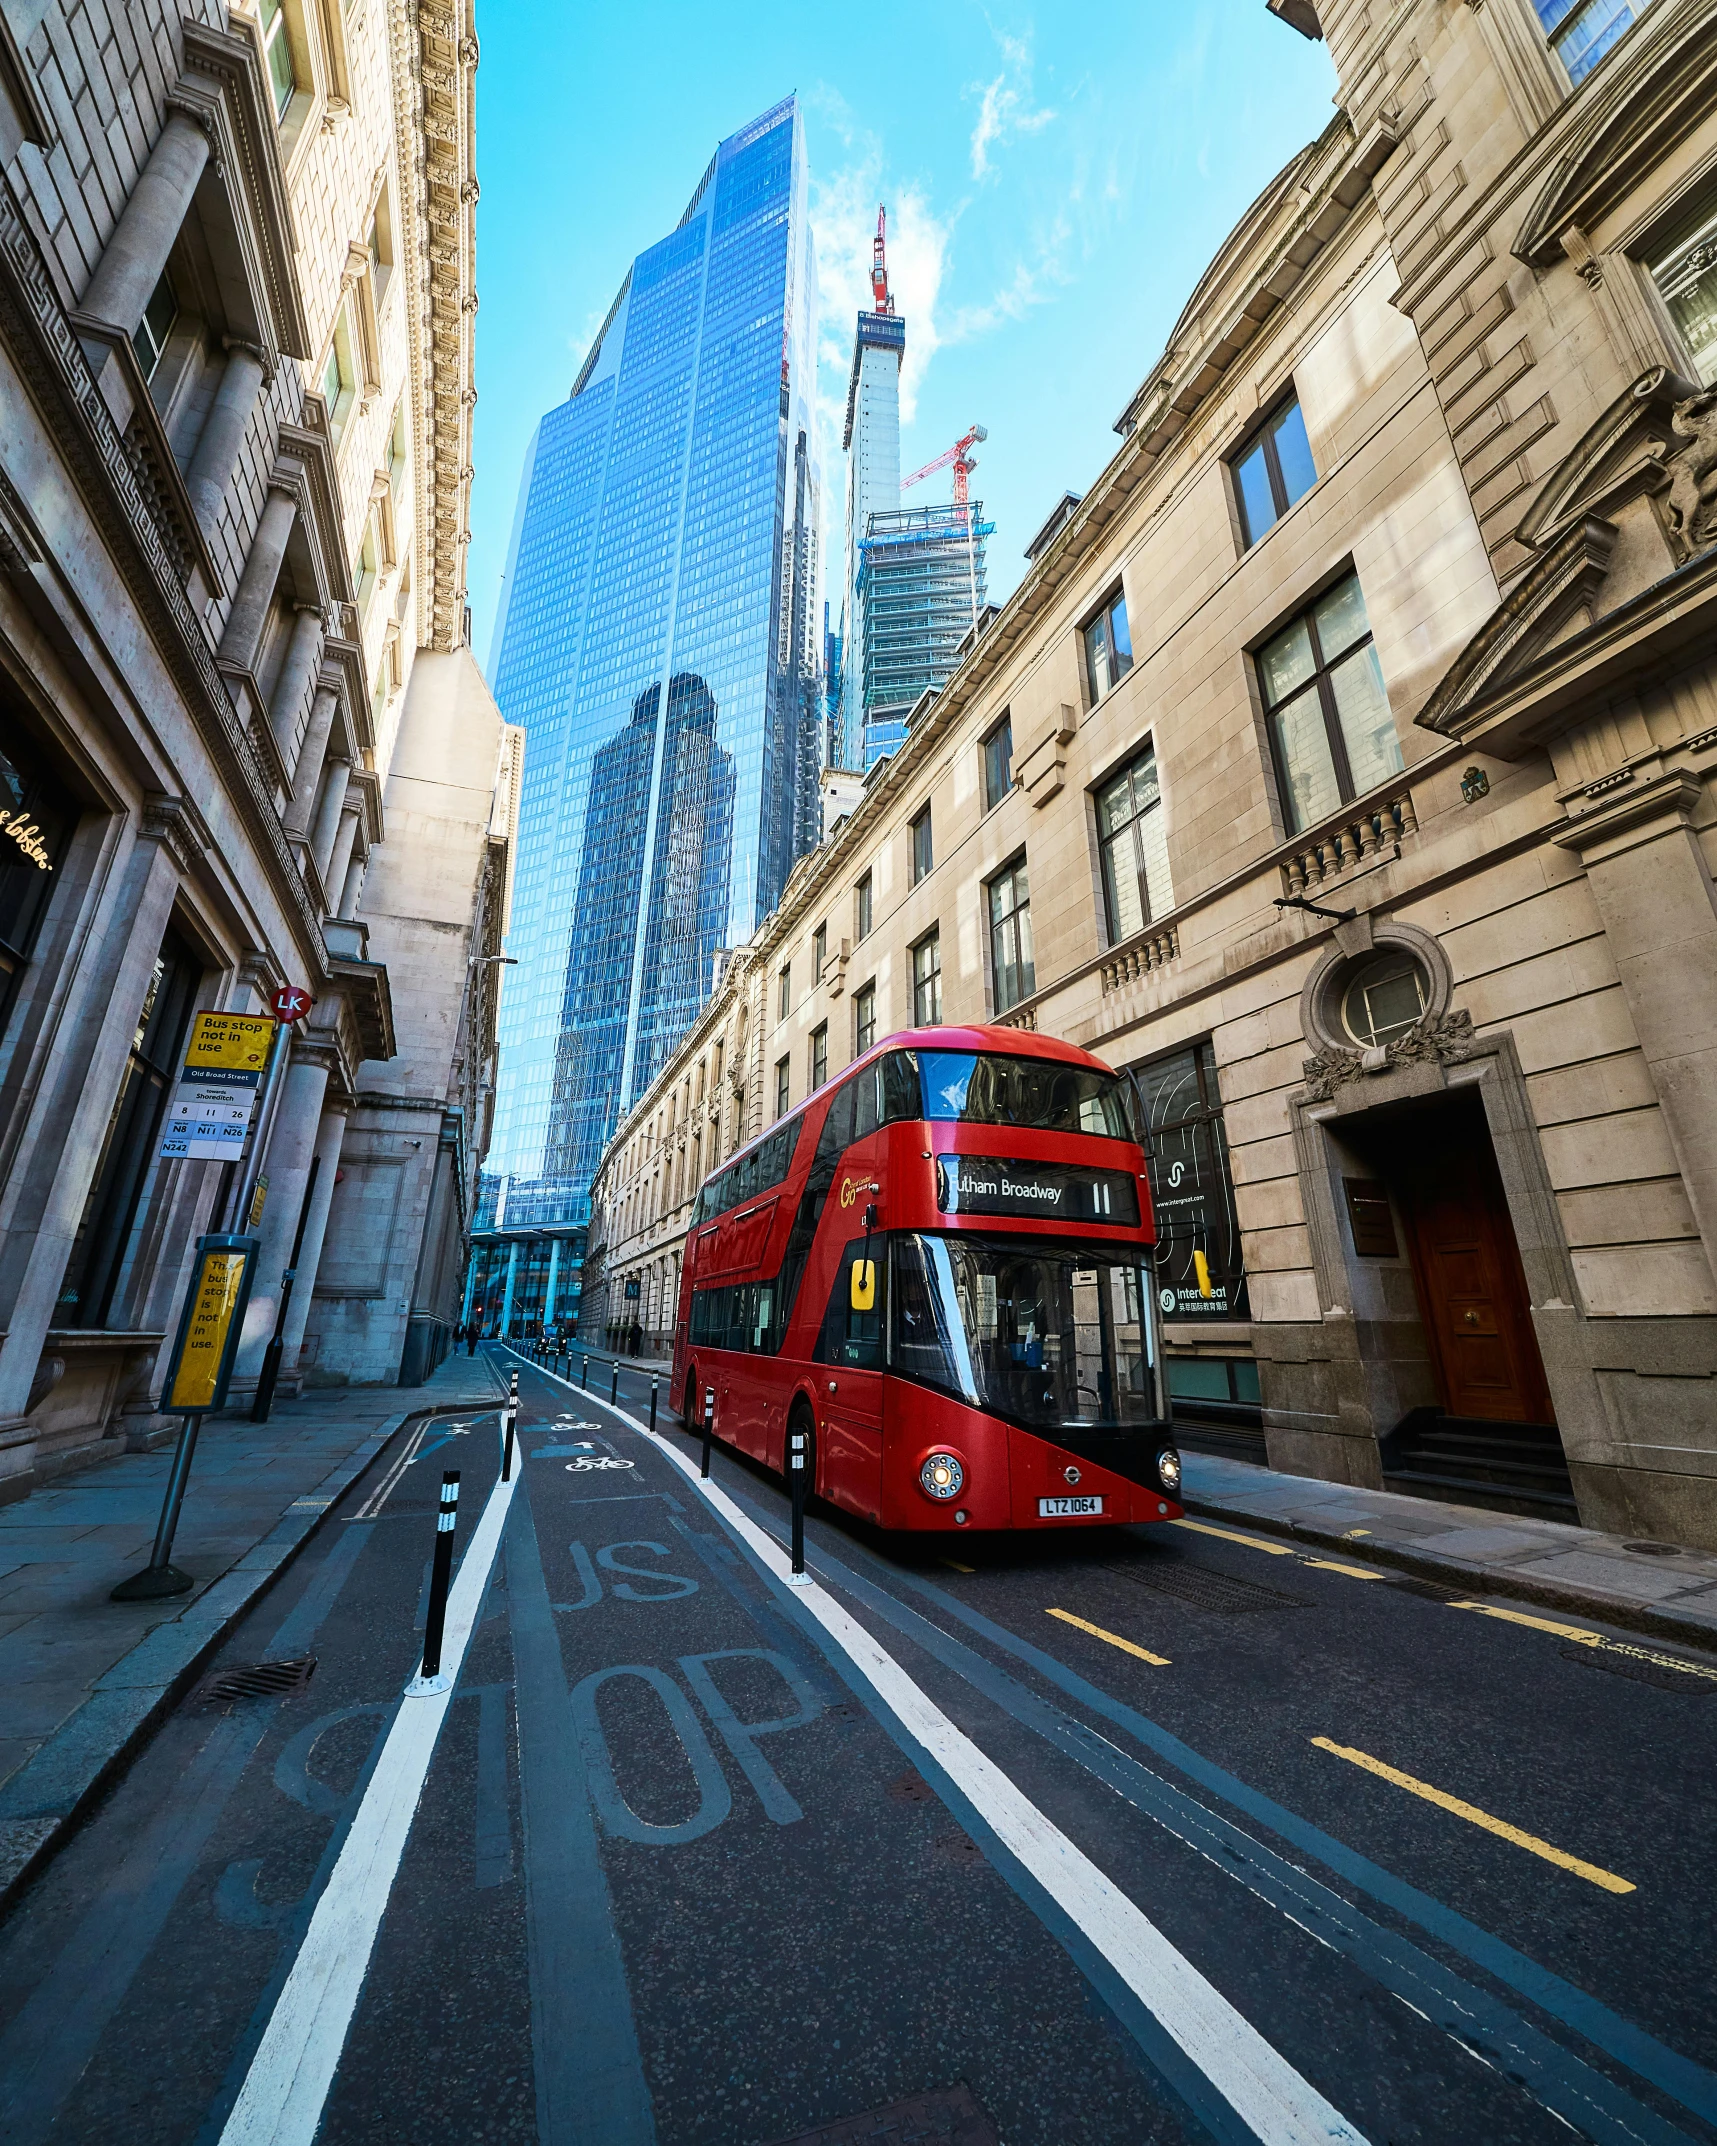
{"x": 1466, "y": 980}
{"x": 236, "y": 301}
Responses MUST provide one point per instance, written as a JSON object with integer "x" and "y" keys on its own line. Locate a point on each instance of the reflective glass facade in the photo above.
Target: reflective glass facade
{"x": 660, "y": 641}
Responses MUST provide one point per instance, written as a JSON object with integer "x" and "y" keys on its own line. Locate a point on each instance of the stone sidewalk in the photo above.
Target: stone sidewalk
{"x": 82, "y": 1677}
{"x": 1656, "y": 1588}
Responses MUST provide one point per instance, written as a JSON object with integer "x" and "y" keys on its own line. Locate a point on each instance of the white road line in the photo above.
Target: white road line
{"x": 281, "y": 2101}
{"x": 384, "y": 1489}
{"x": 1258, "y": 2083}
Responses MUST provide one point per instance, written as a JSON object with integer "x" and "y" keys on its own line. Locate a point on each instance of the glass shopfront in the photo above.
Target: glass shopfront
{"x": 36, "y": 821}
{"x": 1200, "y": 1268}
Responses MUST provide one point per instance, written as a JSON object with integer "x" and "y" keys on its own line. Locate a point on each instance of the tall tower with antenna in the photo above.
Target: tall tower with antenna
{"x": 871, "y": 441}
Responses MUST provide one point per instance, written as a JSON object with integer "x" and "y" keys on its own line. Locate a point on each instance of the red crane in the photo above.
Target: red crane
{"x": 879, "y": 267}
{"x": 960, "y": 456}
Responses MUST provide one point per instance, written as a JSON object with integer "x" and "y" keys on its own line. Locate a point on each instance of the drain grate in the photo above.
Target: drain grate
{"x": 1206, "y": 1590}
{"x": 1693, "y": 1682}
{"x": 946, "y": 2116}
{"x": 262, "y": 1680}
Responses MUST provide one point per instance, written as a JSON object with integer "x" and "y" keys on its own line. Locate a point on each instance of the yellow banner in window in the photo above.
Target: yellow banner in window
{"x": 197, "y": 1375}
{"x": 238, "y": 1041}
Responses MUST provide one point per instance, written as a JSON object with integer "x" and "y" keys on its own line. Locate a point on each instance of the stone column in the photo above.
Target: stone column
{"x": 72, "y": 1104}
{"x": 330, "y": 1135}
{"x": 1659, "y": 909}
{"x": 303, "y": 659}
{"x": 328, "y": 812}
{"x": 212, "y": 466}
{"x": 352, "y": 890}
{"x": 340, "y": 863}
{"x": 133, "y": 258}
{"x": 307, "y": 774}
{"x": 286, "y": 1165}
{"x": 256, "y": 584}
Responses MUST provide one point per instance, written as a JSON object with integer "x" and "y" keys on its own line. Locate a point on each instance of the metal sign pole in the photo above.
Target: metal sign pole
{"x": 250, "y": 1165}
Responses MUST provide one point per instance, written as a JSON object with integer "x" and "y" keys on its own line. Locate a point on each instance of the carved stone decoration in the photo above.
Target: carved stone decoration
{"x": 1434, "y": 1039}
{"x": 1693, "y": 475}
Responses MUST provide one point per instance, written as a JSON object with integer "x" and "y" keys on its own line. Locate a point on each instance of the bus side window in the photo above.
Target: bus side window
{"x": 849, "y": 1337}
{"x": 867, "y": 1111}
{"x": 901, "y": 1093}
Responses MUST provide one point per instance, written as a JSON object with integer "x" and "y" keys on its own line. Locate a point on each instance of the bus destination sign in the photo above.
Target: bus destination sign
{"x": 984, "y": 1185}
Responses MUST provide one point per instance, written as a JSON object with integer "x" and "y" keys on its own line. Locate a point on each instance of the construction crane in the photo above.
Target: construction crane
{"x": 961, "y": 456}
{"x": 879, "y": 267}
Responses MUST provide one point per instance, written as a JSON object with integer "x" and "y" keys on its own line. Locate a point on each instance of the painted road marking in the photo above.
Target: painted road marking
{"x": 1258, "y": 2083}
{"x": 408, "y": 1453}
{"x": 1160, "y": 1661}
{"x": 1598, "y": 1641}
{"x": 1203, "y": 1527}
{"x": 1354, "y": 1572}
{"x": 286, "y": 2087}
{"x": 954, "y": 1567}
{"x": 1474, "y": 1816}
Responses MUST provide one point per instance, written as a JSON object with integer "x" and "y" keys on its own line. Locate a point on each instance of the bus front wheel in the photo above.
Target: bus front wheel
{"x": 689, "y": 1405}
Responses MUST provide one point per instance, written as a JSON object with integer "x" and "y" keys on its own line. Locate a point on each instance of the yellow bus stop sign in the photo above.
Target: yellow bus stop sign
{"x": 208, "y": 1336}
{"x": 229, "y": 1042}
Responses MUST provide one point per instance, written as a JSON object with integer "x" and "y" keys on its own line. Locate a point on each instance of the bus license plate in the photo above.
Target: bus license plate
{"x": 1067, "y": 1508}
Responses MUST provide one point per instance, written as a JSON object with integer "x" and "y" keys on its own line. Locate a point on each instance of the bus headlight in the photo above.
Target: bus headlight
{"x": 1168, "y": 1470}
{"x": 942, "y": 1476}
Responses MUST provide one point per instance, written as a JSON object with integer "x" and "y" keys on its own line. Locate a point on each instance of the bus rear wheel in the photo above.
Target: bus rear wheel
{"x": 689, "y": 1402}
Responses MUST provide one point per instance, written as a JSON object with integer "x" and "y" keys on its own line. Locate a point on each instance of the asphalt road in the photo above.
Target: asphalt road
{"x": 1146, "y": 1834}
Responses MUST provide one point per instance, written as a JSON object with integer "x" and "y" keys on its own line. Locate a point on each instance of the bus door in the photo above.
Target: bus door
{"x": 849, "y": 1361}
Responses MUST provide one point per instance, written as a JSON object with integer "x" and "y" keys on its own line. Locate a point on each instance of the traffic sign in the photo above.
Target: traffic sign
{"x": 291, "y": 1002}
{"x": 211, "y": 1111}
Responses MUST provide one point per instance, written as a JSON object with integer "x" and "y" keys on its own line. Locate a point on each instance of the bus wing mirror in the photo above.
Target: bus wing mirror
{"x": 864, "y": 1285}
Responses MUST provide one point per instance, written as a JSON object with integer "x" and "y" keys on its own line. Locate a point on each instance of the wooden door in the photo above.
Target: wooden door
{"x": 1472, "y": 1289}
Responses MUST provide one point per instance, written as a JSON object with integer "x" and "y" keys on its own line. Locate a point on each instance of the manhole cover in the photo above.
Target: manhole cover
{"x": 960, "y": 1849}
{"x": 946, "y": 2116}
{"x": 1208, "y": 1590}
{"x": 911, "y": 1788}
{"x": 262, "y": 1680}
{"x": 1653, "y": 1549}
{"x": 1693, "y": 1681}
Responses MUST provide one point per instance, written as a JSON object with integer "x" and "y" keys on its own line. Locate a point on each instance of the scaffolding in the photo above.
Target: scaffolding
{"x": 921, "y": 585}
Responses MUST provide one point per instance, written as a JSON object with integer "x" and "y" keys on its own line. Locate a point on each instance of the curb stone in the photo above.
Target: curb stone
{"x": 46, "y": 1796}
{"x": 1654, "y": 1621}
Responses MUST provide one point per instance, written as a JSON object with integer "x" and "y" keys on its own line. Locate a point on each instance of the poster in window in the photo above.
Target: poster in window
{"x": 1200, "y": 1265}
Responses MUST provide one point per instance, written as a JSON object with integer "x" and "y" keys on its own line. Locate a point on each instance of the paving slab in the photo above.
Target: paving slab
{"x": 84, "y": 1675}
{"x": 1672, "y": 1596}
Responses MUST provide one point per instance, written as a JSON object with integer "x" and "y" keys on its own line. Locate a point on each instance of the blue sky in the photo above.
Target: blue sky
{"x": 1055, "y": 183}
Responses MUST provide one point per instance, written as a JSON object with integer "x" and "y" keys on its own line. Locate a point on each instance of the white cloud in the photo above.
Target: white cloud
{"x": 1005, "y": 109}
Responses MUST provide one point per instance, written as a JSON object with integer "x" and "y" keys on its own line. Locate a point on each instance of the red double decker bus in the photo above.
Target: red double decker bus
{"x": 938, "y": 1266}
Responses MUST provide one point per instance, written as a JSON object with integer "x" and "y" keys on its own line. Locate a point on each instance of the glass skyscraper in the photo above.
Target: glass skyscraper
{"x": 660, "y": 640}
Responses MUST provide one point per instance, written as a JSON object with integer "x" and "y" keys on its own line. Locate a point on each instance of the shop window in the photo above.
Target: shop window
{"x": 100, "y": 1270}
{"x": 1199, "y": 1269}
{"x": 1133, "y": 848}
{"x": 1273, "y": 470}
{"x": 36, "y": 820}
{"x": 1011, "y": 964}
{"x": 1331, "y": 728}
{"x": 1108, "y": 648}
{"x": 1581, "y": 32}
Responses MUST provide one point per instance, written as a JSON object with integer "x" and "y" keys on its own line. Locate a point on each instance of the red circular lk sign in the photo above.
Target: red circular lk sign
{"x": 291, "y": 1003}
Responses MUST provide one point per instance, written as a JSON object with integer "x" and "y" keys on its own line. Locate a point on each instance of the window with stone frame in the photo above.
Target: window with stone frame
{"x": 1582, "y": 32}
{"x": 277, "y": 50}
{"x": 784, "y": 991}
{"x": 1132, "y": 847}
{"x": 1332, "y": 731}
{"x": 149, "y": 338}
{"x": 1108, "y": 644}
{"x": 864, "y": 1019}
{"x": 923, "y": 851}
{"x": 927, "y": 980}
{"x": 1273, "y": 470}
{"x": 1012, "y": 969}
{"x": 819, "y": 1056}
{"x": 863, "y": 908}
{"x": 339, "y": 376}
{"x": 1685, "y": 273}
{"x": 783, "y": 1086}
{"x": 998, "y": 756}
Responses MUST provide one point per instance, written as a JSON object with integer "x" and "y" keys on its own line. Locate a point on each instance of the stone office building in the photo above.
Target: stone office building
{"x": 1343, "y": 767}
{"x": 235, "y": 393}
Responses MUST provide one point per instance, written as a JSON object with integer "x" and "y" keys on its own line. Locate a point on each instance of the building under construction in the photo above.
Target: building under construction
{"x": 920, "y": 586}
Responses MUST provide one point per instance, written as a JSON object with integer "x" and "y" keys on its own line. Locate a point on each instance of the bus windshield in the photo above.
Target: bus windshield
{"x": 983, "y": 1088}
{"x": 1045, "y": 1335}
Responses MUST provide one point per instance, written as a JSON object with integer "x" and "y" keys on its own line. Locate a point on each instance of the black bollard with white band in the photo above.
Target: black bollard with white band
{"x": 708, "y": 1425}
{"x": 798, "y": 1482}
{"x": 429, "y": 1677}
{"x": 509, "y": 1423}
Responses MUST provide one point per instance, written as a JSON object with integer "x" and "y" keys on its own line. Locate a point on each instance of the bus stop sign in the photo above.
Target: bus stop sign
{"x": 290, "y": 1003}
